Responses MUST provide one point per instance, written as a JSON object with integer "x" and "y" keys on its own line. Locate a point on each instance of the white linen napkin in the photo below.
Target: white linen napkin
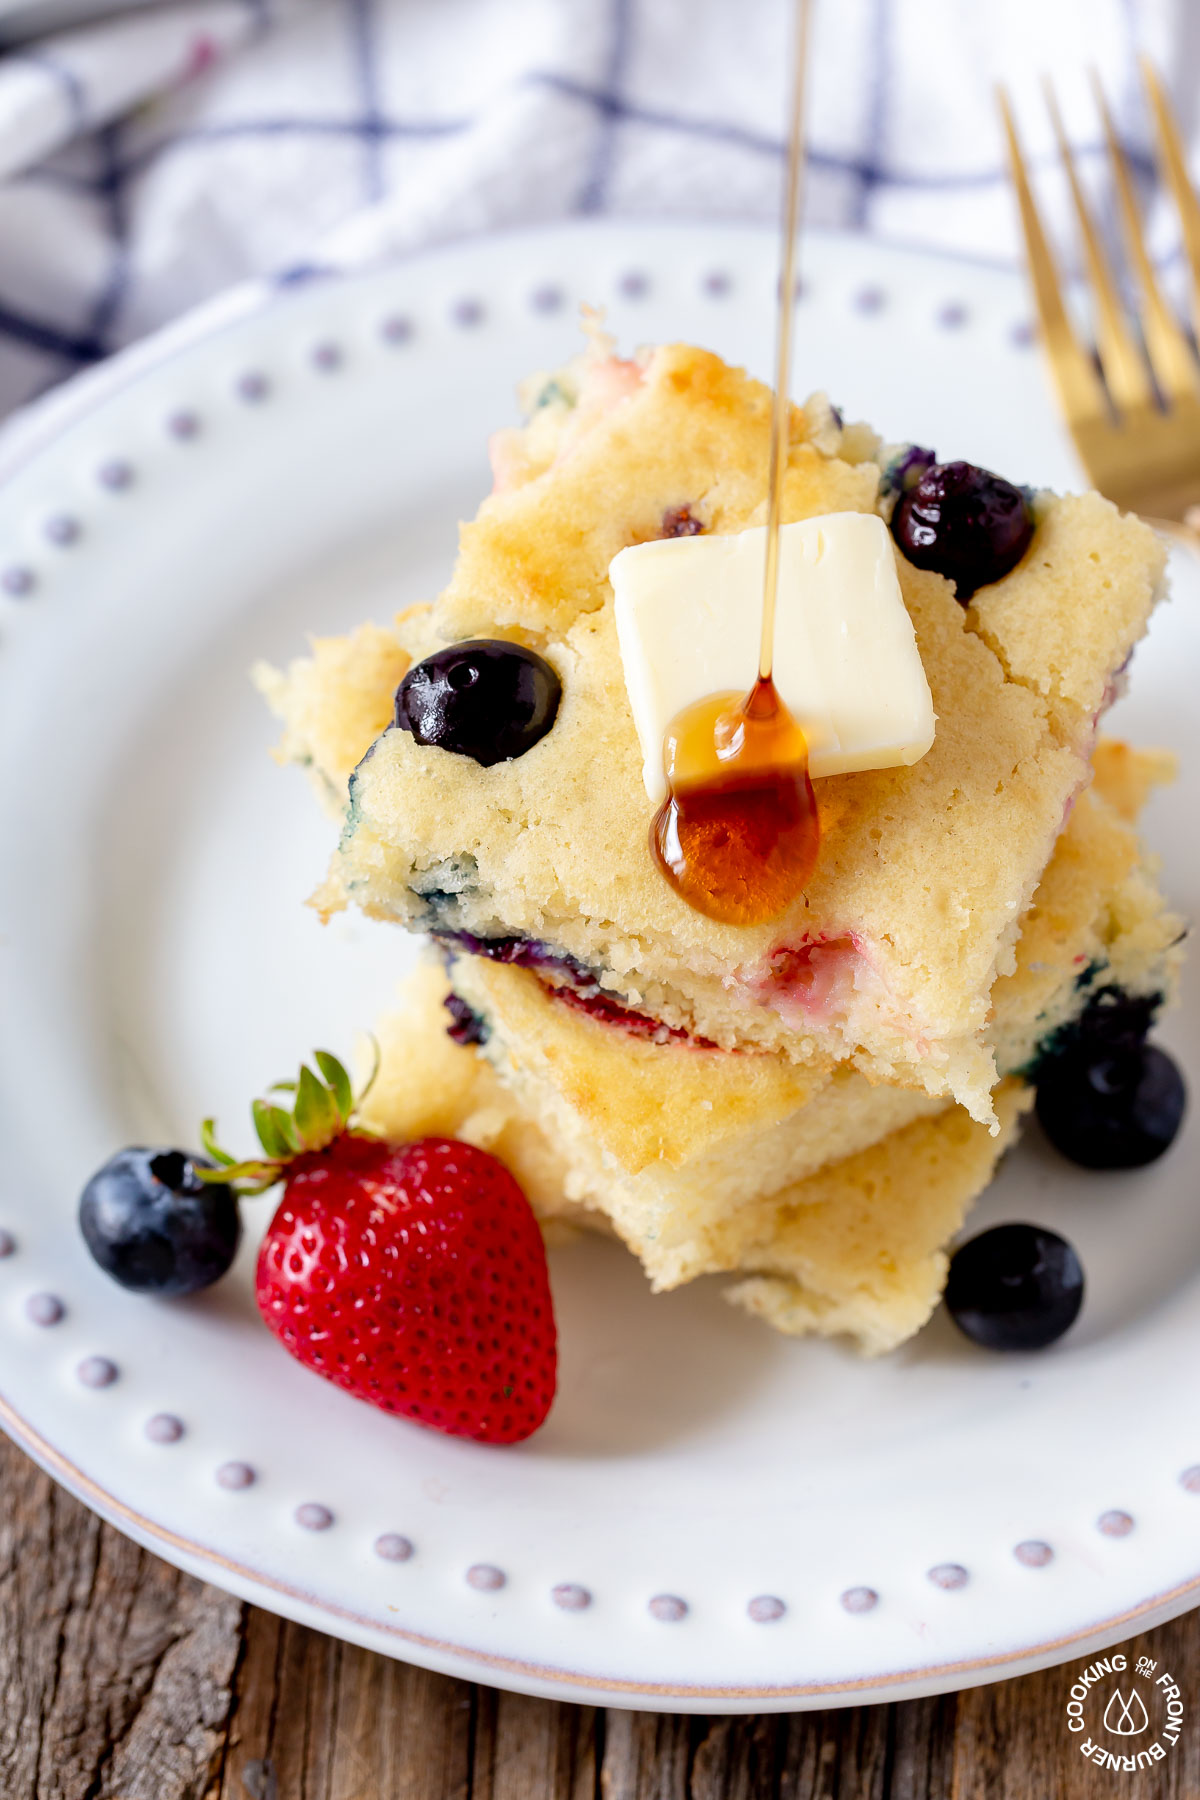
{"x": 151, "y": 161}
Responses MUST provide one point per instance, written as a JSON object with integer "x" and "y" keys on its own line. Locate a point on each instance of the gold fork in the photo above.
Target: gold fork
{"x": 1135, "y": 418}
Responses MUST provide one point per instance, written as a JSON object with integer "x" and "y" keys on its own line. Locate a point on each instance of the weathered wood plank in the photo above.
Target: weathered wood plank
{"x": 314, "y": 1719}
{"x": 840, "y": 1755}
{"x": 647, "y": 1756}
{"x": 525, "y": 1747}
{"x": 273, "y": 1744}
{"x": 740, "y": 1759}
{"x": 923, "y": 1743}
{"x": 403, "y": 1732}
{"x": 115, "y": 1670}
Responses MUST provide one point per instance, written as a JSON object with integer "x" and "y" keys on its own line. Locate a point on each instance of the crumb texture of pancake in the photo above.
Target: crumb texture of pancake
{"x": 1098, "y": 920}
{"x": 888, "y": 961}
{"x": 334, "y": 703}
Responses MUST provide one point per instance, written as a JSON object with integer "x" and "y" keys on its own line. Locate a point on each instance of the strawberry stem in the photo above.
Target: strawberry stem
{"x": 323, "y": 1110}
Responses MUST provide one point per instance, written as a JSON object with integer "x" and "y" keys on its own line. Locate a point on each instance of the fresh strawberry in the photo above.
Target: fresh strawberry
{"x": 414, "y": 1276}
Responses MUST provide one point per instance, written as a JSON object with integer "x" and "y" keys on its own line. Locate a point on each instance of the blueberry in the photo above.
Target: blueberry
{"x": 487, "y": 699}
{"x": 466, "y": 1026}
{"x": 964, "y": 523}
{"x": 1111, "y": 1103}
{"x": 1015, "y": 1287}
{"x": 154, "y": 1226}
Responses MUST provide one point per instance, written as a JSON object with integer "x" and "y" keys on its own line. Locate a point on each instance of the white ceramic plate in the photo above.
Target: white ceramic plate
{"x": 301, "y": 469}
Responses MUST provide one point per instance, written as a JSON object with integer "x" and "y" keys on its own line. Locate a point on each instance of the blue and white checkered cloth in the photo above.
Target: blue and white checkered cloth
{"x": 150, "y": 160}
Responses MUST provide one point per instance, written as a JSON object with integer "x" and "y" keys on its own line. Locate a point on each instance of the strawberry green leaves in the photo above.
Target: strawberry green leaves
{"x": 322, "y": 1110}
{"x": 339, "y": 1081}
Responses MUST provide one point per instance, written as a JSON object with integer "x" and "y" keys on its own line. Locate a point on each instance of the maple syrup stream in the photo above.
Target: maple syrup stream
{"x": 738, "y": 834}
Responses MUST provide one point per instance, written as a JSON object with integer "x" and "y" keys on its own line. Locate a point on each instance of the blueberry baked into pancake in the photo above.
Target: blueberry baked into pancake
{"x": 809, "y": 1101}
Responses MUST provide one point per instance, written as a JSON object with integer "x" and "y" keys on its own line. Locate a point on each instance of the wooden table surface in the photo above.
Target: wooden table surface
{"x": 121, "y": 1679}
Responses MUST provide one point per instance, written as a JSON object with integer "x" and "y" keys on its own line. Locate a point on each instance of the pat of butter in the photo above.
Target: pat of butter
{"x": 689, "y": 613}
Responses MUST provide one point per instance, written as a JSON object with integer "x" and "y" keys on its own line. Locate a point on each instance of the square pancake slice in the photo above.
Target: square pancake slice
{"x": 889, "y": 957}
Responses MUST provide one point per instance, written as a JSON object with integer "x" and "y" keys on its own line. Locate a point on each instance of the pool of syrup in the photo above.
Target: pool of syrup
{"x": 738, "y": 834}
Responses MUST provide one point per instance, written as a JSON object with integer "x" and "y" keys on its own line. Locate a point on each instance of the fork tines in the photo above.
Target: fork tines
{"x": 1142, "y": 381}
